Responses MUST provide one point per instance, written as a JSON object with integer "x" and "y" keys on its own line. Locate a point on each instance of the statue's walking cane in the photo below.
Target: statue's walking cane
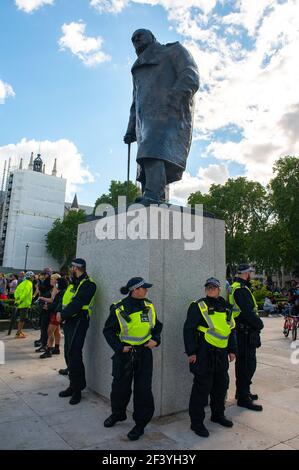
{"x": 128, "y": 170}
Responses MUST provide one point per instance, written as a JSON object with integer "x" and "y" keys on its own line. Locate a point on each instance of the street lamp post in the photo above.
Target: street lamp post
{"x": 27, "y": 248}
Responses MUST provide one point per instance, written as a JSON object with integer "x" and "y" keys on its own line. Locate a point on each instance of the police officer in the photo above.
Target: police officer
{"x": 77, "y": 306}
{"x": 248, "y": 327}
{"x": 210, "y": 344}
{"x": 132, "y": 330}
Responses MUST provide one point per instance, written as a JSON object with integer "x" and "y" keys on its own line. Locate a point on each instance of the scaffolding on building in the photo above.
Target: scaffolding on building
{"x": 5, "y": 196}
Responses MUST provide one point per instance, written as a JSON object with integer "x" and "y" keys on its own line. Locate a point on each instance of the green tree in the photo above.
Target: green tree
{"x": 116, "y": 189}
{"x": 61, "y": 240}
{"x": 266, "y": 248}
{"x": 284, "y": 196}
{"x": 244, "y": 206}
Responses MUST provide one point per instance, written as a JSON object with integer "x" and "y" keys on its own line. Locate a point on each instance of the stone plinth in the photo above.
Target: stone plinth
{"x": 178, "y": 276}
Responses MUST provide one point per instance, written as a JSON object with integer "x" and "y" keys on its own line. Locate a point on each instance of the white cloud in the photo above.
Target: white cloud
{"x": 30, "y": 5}
{"x": 254, "y": 88}
{"x": 180, "y": 190}
{"x": 206, "y": 6}
{"x": 249, "y": 70}
{"x": 116, "y": 6}
{"x": 70, "y": 162}
{"x": 250, "y": 14}
{"x": 6, "y": 90}
{"x": 88, "y": 49}
{"x": 109, "y": 6}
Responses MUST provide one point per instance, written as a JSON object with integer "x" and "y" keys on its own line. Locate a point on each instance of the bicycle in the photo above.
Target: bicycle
{"x": 33, "y": 318}
{"x": 291, "y": 324}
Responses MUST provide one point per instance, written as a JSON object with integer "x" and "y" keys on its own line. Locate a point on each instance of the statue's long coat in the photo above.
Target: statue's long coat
{"x": 165, "y": 79}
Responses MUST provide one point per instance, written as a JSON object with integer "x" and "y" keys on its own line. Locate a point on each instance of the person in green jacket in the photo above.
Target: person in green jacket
{"x": 23, "y": 300}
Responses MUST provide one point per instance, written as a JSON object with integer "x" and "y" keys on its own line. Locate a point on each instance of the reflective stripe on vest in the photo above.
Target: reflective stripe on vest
{"x": 68, "y": 295}
{"x": 219, "y": 328}
{"x": 71, "y": 292}
{"x": 141, "y": 329}
{"x": 236, "y": 308}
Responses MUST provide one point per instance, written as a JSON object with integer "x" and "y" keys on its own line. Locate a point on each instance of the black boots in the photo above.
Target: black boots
{"x": 252, "y": 396}
{"x": 63, "y": 371}
{"x": 46, "y": 354}
{"x": 69, "y": 392}
{"x": 135, "y": 433}
{"x": 113, "y": 419}
{"x": 200, "y": 430}
{"x": 222, "y": 420}
{"x": 66, "y": 393}
{"x": 55, "y": 350}
{"x": 76, "y": 398}
{"x": 247, "y": 403}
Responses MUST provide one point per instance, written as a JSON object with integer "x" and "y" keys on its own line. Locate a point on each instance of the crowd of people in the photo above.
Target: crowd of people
{"x": 216, "y": 331}
{"x": 61, "y": 301}
{"x": 45, "y": 291}
{"x": 283, "y": 301}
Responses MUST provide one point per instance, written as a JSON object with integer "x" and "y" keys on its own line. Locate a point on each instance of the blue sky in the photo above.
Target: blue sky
{"x": 65, "y": 85}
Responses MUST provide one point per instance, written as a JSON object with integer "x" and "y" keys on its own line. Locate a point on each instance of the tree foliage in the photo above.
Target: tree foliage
{"x": 284, "y": 194}
{"x": 116, "y": 189}
{"x": 262, "y": 224}
{"x": 244, "y": 206}
{"x": 61, "y": 240}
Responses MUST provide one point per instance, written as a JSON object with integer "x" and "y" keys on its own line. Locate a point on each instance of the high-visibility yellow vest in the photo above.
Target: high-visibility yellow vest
{"x": 135, "y": 329}
{"x": 219, "y": 327}
{"x": 71, "y": 292}
{"x": 23, "y": 294}
{"x": 236, "y": 309}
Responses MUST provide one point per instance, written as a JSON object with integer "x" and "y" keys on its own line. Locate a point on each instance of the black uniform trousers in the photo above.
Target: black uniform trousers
{"x": 210, "y": 378}
{"x": 74, "y": 336}
{"x": 245, "y": 364}
{"x": 44, "y": 325}
{"x": 136, "y": 366}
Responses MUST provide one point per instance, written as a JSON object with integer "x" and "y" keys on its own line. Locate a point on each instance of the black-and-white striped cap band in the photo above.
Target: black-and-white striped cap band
{"x": 243, "y": 271}
{"x": 139, "y": 284}
{"x": 78, "y": 265}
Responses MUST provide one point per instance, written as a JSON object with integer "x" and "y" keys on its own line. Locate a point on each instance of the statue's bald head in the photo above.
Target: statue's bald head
{"x": 141, "y": 39}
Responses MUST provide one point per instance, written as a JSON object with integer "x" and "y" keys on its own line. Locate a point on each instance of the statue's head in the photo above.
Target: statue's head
{"x": 141, "y": 39}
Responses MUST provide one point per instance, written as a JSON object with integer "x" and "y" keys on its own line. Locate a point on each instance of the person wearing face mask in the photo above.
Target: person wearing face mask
{"x": 77, "y": 305}
{"x": 248, "y": 327}
{"x": 132, "y": 330}
{"x": 210, "y": 344}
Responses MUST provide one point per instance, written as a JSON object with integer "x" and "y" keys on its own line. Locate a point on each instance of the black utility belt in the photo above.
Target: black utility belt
{"x": 78, "y": 316}
{"x": 242, "y": 327}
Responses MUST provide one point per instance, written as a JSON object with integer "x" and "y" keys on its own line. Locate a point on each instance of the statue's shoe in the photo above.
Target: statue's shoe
{"x": 146, "y": 201}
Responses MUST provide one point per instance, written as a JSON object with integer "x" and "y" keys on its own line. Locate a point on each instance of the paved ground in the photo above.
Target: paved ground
{"x": 32, "y": 416}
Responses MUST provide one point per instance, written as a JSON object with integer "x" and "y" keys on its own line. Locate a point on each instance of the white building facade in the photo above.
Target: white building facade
{"x": 33, "y": 201}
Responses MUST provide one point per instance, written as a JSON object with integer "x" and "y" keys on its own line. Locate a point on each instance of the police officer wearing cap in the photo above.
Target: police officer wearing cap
{"x": 210, "y": 344}
{"x": 77, "y": 305}
{"x": 132, "y": 330}
{"x": 248, "y": 327}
